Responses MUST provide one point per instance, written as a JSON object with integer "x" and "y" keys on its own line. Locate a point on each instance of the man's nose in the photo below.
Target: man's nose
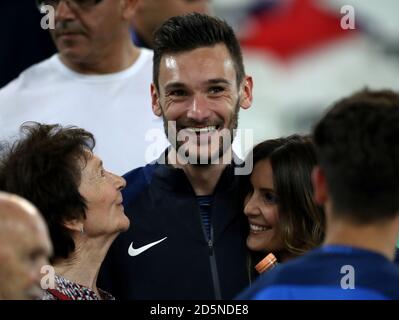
{"x": 64, "y": 11}
{"x": 199, "y": 109}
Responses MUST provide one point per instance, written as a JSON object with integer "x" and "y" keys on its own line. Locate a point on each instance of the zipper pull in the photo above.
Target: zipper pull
{"x": 210, "y": 246}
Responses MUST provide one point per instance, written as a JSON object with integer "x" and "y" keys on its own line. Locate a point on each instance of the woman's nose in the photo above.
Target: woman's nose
{"x": 251, "y": 207}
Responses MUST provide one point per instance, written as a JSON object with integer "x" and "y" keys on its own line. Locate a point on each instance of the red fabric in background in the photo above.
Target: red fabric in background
{"x": 287, "y": 30}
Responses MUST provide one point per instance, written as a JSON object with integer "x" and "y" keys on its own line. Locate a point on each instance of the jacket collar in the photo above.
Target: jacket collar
{"x": 173, "y": 178}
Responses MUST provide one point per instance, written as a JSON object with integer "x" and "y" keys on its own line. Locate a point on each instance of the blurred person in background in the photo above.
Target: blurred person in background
{"x": 283, "y": 218}
{"x": 98, "y": 77}
{"x": 54, "y": 167}
{"x": 24, "y": 42}
{"x": 150, "y": 14}
{"x": 25, "y": 248}
{"x": 297, "y": 45}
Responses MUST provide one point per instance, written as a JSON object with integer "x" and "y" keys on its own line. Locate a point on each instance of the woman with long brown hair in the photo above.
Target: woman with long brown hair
{"x": 278, "y": 200}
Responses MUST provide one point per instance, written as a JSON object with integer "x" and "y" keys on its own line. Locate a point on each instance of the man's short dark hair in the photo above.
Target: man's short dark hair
{"x": 357, "y": 147}
{"x": 192, "y": 31}
{"x": 44, "y": 166}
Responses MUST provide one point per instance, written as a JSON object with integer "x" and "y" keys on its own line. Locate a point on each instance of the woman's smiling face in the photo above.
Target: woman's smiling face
{"x": 261, "y": 208}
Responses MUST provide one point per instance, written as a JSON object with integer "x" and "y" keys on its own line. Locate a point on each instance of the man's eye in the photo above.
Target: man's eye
{"x": 52, "y": 3}
{"x": 177, "y": 93}
{"x": 102, "y": 172}
{"x": 34, "y": 256}
{"x": 84, "y": 2}
{"x": 215, "y": 90}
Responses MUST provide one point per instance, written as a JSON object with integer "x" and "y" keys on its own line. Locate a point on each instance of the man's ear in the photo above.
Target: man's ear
{"x": 128, "y": 9}
{"x": 156, "y": 106}
{"x": 246, "y": 92}
{"x": 320, "y": 189}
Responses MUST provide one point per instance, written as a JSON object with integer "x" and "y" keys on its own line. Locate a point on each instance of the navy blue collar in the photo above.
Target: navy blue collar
{"x": 173, "y": 178}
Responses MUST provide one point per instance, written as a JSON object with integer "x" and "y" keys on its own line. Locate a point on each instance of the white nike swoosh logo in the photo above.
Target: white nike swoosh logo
{"x": 135, "y": 252}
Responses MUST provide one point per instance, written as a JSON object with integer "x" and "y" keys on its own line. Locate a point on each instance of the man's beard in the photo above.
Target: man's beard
{"x": 224, "y": 143}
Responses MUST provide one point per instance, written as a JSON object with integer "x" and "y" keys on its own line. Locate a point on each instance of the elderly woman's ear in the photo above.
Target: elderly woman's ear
{"x": 74, "y": 225}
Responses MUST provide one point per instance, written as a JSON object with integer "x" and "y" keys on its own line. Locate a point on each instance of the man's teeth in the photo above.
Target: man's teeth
{"x": 199, "y": 130}
{"x": 255, "y": 227}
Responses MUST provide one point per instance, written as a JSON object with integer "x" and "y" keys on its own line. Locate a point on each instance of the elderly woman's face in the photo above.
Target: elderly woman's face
{"x": 102, "y": 191}
{"x": 261, "y": 208}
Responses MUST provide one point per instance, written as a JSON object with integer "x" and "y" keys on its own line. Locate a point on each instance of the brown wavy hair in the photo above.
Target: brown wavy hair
{"x": 302, "y": 222}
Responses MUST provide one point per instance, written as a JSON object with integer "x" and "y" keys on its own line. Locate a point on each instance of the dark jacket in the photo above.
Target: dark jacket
{"x": 160, "y": 202}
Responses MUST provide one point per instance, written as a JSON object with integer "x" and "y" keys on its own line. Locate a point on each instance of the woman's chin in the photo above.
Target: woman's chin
{"x": 125, "y": 224}
{"x": 251, "y": 245}
{"x": 120, "y": 224}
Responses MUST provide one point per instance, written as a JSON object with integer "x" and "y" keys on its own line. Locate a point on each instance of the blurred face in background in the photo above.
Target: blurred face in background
{"x": 25, "y": 248}
{"x": 89, "y": 31}
{"x": 150, "y": 14}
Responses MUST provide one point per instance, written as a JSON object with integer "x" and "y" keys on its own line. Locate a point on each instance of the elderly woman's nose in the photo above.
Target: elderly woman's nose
{"x": 120, "y": 182}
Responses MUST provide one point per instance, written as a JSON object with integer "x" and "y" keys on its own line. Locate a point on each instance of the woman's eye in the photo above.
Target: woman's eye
{"x": 270, "y": 197}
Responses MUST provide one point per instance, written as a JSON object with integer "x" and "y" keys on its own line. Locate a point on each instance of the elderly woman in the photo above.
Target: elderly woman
{"x": 55, "y": 168}
{"x": 278, "y": 200}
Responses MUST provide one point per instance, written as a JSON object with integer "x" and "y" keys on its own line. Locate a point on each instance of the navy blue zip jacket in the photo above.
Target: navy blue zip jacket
{"x": 184, "y": 264}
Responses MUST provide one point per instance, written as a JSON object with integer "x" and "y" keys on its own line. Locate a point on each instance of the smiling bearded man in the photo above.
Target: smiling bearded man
{"x": 189, "y": 233}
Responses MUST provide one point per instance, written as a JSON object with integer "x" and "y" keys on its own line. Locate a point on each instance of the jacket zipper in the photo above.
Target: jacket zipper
{"x": 212, "y": 261}
{"x": 214, "y": 270}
